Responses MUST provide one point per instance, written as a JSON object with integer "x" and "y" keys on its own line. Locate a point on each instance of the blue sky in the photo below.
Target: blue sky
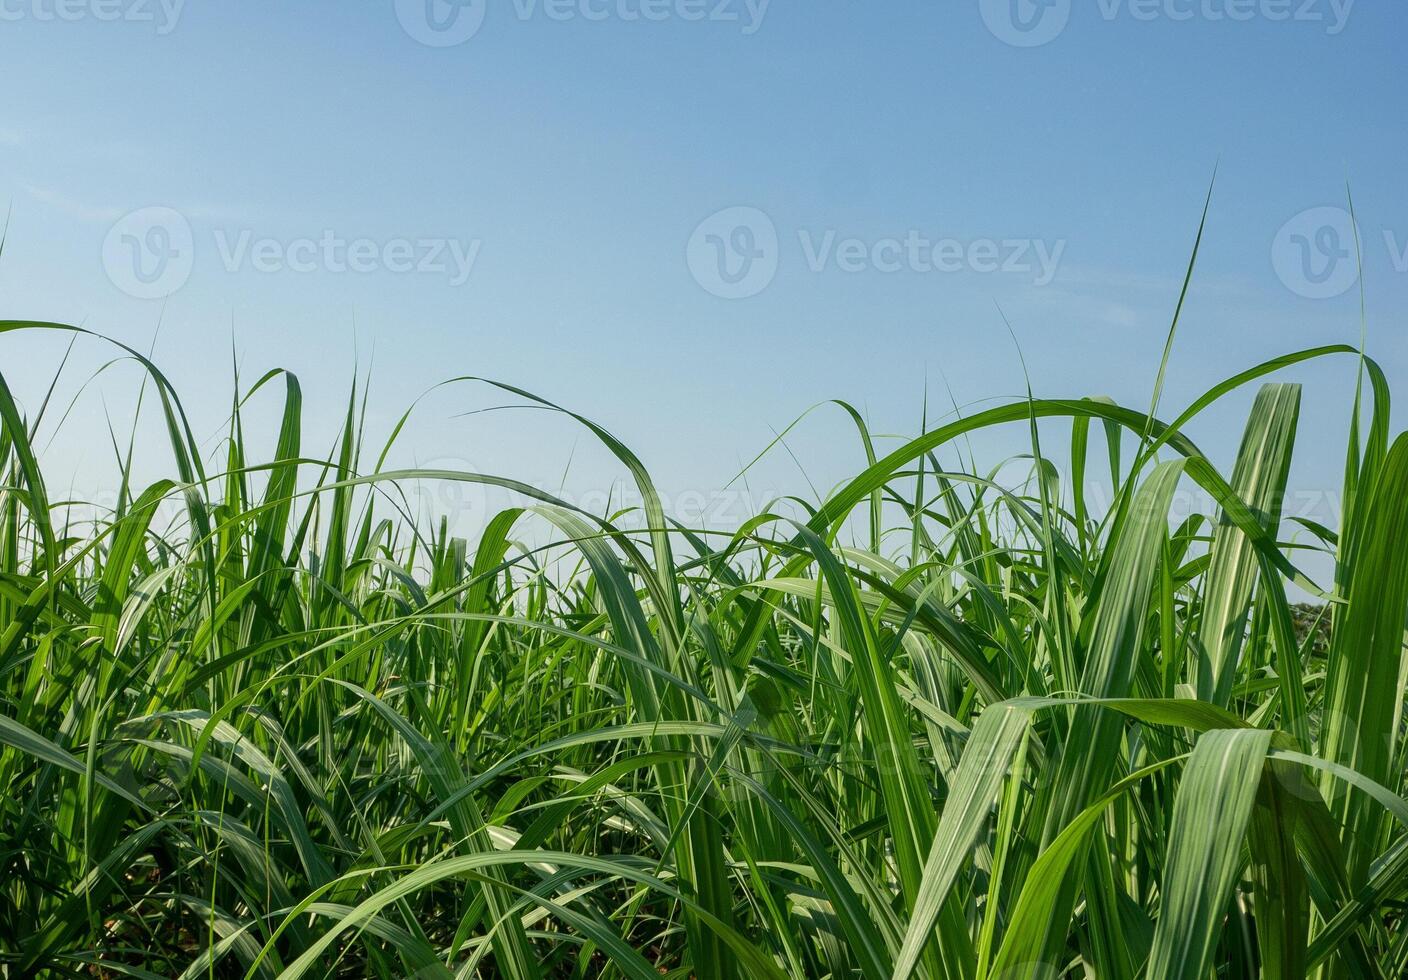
{"x": 583, "y": 166}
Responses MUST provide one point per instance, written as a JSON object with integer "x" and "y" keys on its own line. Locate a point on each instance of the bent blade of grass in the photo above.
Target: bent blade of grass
{"x": 1364, "y": 682}
{"x": 1210, "y": 818}
{"x": 1259, "y": 479}
{"x": 986, "y": 762}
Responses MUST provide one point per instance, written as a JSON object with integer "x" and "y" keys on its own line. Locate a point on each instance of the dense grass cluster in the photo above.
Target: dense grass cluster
{"x": 935, "y": 727}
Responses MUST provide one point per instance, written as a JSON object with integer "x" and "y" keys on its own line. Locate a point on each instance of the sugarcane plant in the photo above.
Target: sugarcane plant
{"x": 938, "y": 724}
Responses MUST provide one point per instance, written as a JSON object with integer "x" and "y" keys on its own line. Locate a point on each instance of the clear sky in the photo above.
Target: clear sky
{"x": 693, "y": 219}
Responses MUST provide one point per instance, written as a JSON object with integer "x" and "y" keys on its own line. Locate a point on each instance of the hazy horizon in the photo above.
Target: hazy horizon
{"x": 616, "y": 206}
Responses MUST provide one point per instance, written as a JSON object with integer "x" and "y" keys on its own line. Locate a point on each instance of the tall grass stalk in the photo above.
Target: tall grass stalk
{"x": 934, "y": 727}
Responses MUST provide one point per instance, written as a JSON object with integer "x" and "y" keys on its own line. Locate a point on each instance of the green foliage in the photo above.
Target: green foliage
{"x": 293, "y": 734}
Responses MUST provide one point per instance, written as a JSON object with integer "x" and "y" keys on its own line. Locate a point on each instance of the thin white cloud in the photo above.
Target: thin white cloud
{"x": 71, "y": 206}
{"x": 1106, "y": 279}
{"x": 87, "y": 211}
